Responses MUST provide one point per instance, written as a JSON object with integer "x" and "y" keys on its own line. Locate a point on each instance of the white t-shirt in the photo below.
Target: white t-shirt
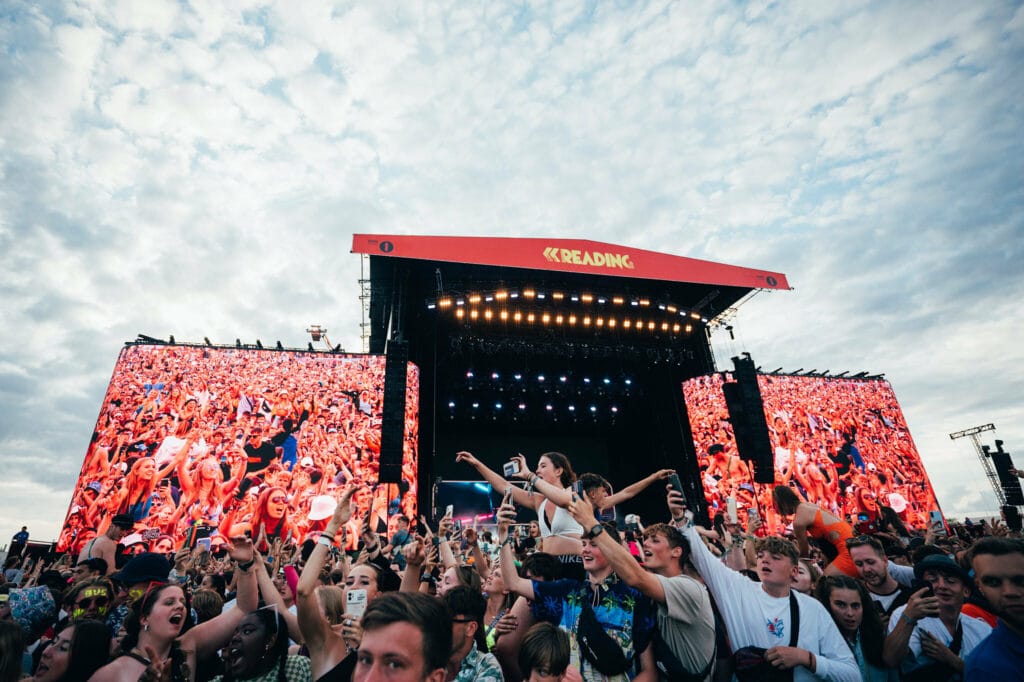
{"x": 753, "y": 617}
{"x": 975, "y": 630}
{"x": 686, "y": 622}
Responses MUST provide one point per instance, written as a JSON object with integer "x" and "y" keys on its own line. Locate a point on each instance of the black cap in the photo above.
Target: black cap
{"x": 123, "y": 521}
{"x": 941, "y": 564}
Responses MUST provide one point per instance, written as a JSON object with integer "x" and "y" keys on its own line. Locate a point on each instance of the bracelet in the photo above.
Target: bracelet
{"x": 425, "y": 577}
{"x": 326, "y": 540}
{"x": 505, "y": 541}
{"x": 244, "y": 567}
{"x": 912, "y": 622}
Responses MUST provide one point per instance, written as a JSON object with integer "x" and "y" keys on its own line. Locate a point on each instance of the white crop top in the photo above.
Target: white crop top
{"x": 562, "y": 524}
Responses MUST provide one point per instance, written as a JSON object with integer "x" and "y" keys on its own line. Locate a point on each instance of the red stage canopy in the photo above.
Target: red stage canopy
{"x": 566, "y": 255}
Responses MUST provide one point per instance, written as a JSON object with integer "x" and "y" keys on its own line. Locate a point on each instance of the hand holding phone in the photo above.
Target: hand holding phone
{"x": 355, "y": 603}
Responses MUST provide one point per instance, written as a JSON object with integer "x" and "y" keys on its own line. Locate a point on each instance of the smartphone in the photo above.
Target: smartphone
{"x": 674, "y": 481}
{"x": 863, "y": 517}
{"x": 434, "y": 540}
{"x": 510, "y": 468}
{"x": 457, "y": 525}
{"x": 917, "y": 584}
{"x": 577, "y": 488}
{"x": 449, "y": 510}
{"x": 936, "y": 522}
{"x": 204, "y": 543}
{"x": 355, "y": 602}
{"x": 730, "y": 509}
{"x": 752, "y": 514}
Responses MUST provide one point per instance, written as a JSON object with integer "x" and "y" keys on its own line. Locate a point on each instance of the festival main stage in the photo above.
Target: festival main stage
{"x": 492, "y": 345}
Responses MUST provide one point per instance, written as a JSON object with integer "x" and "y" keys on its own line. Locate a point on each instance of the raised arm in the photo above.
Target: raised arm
{"x": 507, "y": 565}
{"x": 312, "y": 624}
{"x": 271, "y": 596}
{"x": 622, "y": 562}
{"x": 634, "y": 489}
{"x": 520, "y": 497}
{"x": 802, "y": 520}
{"x": 206, "y": 638}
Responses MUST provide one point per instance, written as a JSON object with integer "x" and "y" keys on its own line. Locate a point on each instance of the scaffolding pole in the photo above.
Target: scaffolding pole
{"x": 986, "y": 463}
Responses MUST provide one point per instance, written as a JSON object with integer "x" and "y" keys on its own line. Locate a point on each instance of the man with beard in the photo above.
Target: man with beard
{"x": 873, "y": 566}
{"x": 999, "y": 574}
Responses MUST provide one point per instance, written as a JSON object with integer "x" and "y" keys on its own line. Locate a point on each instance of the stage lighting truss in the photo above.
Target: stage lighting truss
{"x": 530, "y": 307}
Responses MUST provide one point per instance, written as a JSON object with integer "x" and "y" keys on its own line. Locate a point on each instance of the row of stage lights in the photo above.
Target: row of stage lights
{"x": 475, "y": 307}
{"x": 542, "y": 378}
{"x": 473, "y": 409}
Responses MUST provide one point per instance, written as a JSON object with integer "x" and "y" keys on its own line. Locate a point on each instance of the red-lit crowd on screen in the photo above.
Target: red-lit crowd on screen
{"x": 563, "y": 596}
{"x": 843, "y": 443}
{"x": 201, "y": 442}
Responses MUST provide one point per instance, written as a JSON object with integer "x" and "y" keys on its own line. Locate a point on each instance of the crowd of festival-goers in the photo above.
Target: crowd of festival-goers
{"x": 567, "y": 596}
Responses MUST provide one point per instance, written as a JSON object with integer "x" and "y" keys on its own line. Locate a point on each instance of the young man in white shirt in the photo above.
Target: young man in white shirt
{"x": 761, "y": 614}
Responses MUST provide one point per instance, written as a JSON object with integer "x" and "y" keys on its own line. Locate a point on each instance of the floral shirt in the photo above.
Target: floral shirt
{"x": 626, "y": 614}
{"x": 479, "y": 666}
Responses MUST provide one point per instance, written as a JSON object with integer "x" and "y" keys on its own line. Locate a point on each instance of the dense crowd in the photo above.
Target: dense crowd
{"x": 207, "y": 443}
{"x": 568, "y": 597}
{"x": 836, "y": 440}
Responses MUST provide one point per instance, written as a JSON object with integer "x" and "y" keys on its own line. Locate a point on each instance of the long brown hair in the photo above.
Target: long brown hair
{"x": 786, "y": 501}
{"x": 560, "y": 461}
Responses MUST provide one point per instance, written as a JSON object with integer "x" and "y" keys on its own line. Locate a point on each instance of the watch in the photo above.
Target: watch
{"x": 594, "y": 532}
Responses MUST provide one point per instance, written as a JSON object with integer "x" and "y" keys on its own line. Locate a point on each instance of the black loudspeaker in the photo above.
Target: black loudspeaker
{"x": 392, "y": 430}
{"x": 1012, "y": 516}
{"x": 1010, "y": 483}
{"x": 746, "y": 412}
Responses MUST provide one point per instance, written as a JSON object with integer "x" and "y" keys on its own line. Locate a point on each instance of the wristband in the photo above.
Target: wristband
{"x": 326, "y": 540}
{"x": 912, "y": 622}
{"x": 425, "y": 577}
{"x": 244, "y": 567}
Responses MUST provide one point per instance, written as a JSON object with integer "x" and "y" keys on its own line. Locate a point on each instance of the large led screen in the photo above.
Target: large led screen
{"x": 843, "y": 443}
{"x": 199, "y": 441}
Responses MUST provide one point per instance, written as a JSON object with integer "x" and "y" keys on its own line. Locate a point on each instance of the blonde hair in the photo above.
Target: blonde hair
{"x": 332, "y": 599}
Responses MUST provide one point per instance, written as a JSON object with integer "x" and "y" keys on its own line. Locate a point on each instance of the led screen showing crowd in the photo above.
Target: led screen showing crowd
{"x": 195, "y": 442}
{"x": 843, "y": 443}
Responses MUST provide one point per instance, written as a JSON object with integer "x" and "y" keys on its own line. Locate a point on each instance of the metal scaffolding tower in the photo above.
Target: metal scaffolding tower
{"x": 364, "y": 300}
{"x": 986, "y": 462}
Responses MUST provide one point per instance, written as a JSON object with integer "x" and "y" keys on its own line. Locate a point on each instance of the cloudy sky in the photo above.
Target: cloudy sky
{"x": 198, "y": 168}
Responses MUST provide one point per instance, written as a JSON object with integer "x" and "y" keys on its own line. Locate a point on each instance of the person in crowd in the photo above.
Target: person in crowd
{"x": 499, "y": 601}
{"x": 90, "y": 599}
{"x": 76, "y": 652}
{"x": 873, "y": 568}
{"x": 599, "y": 491}
{"x": 133, "y": 581}
{"x": 928, "y": 638}
{"x": 258, "y": 651}
{"x": 848, "y": 603}
{"x": 34, "y": 609}
{"x": 810, "y": 520}
{"x": 877, "y": 519}
{"x": 807, "y": 576}
{"x": 407, "y": 637}
{"x": 207, "y": 605}
{"x": 468, "y": 660}
{"x": 18, "y": 542}
{"x": 998, "y": 565}
{"x": 270, "y": 519}
{"x": 686, "y": 624}
{"x": 769, "y": 624}
{"x": 159, "y": 640}
{"x": 332, "y": 650}
{"x": 605, "y": 607}
{"x": 105, "y": 546}
{"x": 12, "y": 644}
{"x": 88, "y": 569}
{"x": 544, "y": 653}
{"x": 560, "y": 534}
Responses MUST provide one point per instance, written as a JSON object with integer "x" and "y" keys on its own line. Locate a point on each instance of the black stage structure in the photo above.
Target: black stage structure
{"x": 530, "y": 345}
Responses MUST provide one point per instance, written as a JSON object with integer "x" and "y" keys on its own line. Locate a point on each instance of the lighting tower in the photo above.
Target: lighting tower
{"x": 986, "y": 462}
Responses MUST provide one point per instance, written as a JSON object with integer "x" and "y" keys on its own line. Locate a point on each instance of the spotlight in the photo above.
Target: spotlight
{"x": 522, "y": 406}
{"x": 586, "y": 380}
{"x": 476, "y": 405}
{"x": 614, "y": 409}
{"x": 469, "y": 374}
{"x": 563, "y": 378}
{"x": 451, "y": 403}
{"x": 607, "y": 381}
{"x": 540, "y": 377}
{"x": 572, "y": 408}
{"x": 497, "y": 406}
{"x": 593, "y": 408}
{"x": 495, "y": 376}
{"x": 549, "y": 407}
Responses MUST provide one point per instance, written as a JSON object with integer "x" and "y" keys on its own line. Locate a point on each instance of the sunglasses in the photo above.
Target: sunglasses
{"x": 98, "y": 602}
